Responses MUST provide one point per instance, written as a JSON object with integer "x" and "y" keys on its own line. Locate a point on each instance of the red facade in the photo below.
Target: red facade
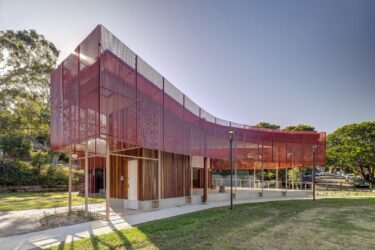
{"x": 105, "y": 92}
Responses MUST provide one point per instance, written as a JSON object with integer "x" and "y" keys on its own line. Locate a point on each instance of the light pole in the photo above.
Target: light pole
{"x": 313, "y": 170}
{"x": 230, "y": 137}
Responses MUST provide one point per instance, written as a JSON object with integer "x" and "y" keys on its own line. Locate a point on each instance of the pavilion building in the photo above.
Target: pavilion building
{"x": 142, "y": 144}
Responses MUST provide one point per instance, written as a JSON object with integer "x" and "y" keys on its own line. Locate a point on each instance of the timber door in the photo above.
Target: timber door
{"x": 119, "y": 178}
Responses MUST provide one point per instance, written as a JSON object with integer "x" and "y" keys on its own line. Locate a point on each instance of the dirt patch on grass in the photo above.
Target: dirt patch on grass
{"x": 338, "y": 193}
{"x": 65, "y": 219}
{"x": 15, "y": 223}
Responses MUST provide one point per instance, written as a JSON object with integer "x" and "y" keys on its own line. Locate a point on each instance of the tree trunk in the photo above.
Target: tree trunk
{"x": 362, "y": 172}
{"x": 370, "y": 175}
{"x": 371, "y": 171}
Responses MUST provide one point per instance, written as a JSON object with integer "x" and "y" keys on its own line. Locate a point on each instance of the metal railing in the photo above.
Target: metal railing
{"x": 258, "y": 184}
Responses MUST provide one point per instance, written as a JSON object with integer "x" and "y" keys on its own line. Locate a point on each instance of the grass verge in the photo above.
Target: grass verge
{"x": 22, "y": 201}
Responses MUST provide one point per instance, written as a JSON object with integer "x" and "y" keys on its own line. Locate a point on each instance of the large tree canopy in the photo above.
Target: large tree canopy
{"x": 26, "y": 61}
{"x": 300, "y": 127}
{"x": 267, "y": 125}
{"x": 352, "y": 147}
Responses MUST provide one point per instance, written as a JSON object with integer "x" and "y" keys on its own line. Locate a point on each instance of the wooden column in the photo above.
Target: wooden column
{"x": 159, "y": 176}
{"x": 205, "y": 176}
{"x": 70, "y": 182}
{"x": 107, "y": 181}
{"x": 86, "y": 178}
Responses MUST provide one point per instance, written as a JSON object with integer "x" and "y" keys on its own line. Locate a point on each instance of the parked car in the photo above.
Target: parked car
{"x": 307, "y": 177}
{"x": 360, "y": 183}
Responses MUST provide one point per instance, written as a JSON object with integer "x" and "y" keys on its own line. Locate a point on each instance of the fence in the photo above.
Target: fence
{"x": 258, "y": 184}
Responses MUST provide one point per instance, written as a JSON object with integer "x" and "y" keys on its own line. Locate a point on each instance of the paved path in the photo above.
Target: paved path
{"x": 52, "y": 237}
{"x": 23, "y": 221}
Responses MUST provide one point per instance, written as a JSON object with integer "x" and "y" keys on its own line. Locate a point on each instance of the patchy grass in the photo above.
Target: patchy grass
{"x": 325, "y": 224}
{"x": 344, "y": 193}
{"x": 22, "y": 201}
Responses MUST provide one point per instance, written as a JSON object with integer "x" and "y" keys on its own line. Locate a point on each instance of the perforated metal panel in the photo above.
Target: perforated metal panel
{"x": 104, "y": 90}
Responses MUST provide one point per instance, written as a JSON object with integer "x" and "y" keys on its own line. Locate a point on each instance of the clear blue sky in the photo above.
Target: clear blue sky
{"x": 285, "y": 62}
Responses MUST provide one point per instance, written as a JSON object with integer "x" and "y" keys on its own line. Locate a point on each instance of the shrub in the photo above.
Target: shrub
{"x": 15, "y": 145}
{"x": 16, "y": 173}
{"x": 39, "y": 158}
{"x": 294, "y": 175}
{"x": 52, "y": 176}
{"x": 19, "y": 173}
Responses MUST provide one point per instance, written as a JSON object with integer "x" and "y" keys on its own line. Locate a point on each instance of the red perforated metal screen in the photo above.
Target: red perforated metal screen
{"x": 104, "y": 91}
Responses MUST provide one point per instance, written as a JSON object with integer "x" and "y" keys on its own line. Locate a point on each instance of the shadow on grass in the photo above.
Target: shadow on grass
{"x": 247, "y": 221}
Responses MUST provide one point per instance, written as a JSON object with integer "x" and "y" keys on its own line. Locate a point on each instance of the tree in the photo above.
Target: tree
{"x": 300, "y": 127}
{"x": 267, "y": 125}
{"x": 15, "y": 145}
{"x": 352, "y": 147}
{"x": 294, "y": 176}
{"x": 39, "y": 158}
{"x": 26, "y": 61}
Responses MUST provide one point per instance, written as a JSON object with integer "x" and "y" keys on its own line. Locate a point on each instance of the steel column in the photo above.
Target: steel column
{"x": 70, "y": 181}
{"x": 107, "y": 181}
{"x": 262, "y": 167}
{"x": 313, "y": 171}
{"x": 86, "y": 178}
{"x": 205, "y": 177}
{"x": 159, "y": 176}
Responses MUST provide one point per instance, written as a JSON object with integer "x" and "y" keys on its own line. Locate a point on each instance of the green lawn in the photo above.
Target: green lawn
{"x": 21, "y": 201}
{"x": 325, "y": 224}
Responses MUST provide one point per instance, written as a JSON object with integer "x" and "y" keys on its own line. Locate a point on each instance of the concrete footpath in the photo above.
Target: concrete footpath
{"x": 52, "y": 237}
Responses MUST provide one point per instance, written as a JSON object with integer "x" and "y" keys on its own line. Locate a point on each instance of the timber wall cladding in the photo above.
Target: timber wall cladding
{"x": 118, "y": 185}
{"x": 176, "y": 175}
{"x": 148, "y": 175}
{"x": 148, "y": 180}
